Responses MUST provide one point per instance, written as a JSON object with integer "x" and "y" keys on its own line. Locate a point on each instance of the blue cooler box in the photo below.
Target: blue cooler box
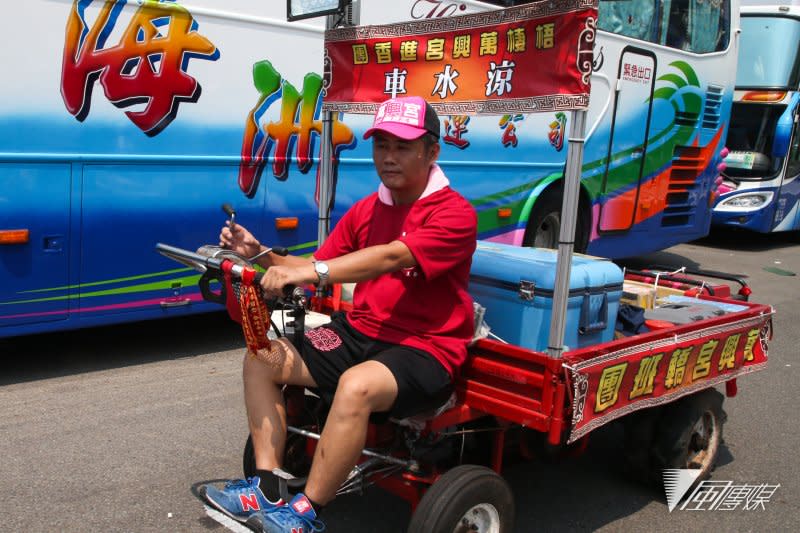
{"x": 515, "y": 285}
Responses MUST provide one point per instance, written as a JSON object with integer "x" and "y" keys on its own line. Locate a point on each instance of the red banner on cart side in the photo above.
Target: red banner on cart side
{"x": 619, "y": 383}
{"x": 536, "y": 57}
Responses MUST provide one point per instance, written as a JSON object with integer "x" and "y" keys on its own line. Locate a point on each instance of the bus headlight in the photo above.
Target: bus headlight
{"x": 750, "y": 201}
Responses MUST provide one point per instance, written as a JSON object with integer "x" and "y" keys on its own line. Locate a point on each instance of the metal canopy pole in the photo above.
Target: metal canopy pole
{"x": 566, "y": 238}
{"x": 325, "y": 178}
{"x": 325, "y": 165}
{"x": 349, "y": 17}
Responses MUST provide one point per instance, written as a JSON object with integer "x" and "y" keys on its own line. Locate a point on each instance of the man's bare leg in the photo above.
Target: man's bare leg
{"x": 362, "y": 389}
{"x": 264, "y": 375}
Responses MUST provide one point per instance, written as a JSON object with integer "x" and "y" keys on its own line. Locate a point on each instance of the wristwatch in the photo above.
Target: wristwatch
{"x": 322, "y": 272}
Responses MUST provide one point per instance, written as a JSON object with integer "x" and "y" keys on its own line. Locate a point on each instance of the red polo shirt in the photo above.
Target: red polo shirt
{"x": 425, "y": 307}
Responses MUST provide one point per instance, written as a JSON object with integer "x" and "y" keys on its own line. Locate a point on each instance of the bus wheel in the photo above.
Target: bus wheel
{"x": 689, "y": 434}
{"x": 544, "y": 223}
{"x": 466, "y": 498}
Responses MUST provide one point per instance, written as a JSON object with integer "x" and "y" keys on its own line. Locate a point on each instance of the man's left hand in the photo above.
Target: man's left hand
{"x": 277, "y": 277}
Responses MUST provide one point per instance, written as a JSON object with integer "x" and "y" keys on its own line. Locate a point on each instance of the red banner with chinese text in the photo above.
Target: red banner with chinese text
{"x": 531, "y": 58}
{"x": 615, "y": 384}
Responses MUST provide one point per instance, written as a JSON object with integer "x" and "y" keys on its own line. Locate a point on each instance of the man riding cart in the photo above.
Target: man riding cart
{"x": 409, "y": 247}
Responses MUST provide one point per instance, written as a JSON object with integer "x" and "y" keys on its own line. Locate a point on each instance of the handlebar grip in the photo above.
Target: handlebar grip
{"x": 228, "y": 208}
{"x": 280, "y": 250}
{"x": 288, "y": 290}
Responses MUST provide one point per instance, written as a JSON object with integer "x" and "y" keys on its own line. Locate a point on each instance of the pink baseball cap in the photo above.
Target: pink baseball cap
{"x": 407, "y": 117}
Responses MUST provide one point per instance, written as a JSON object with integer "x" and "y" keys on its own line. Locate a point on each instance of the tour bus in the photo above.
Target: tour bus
{"x": 129, "y": 123}
{"x": 761, "y": 189}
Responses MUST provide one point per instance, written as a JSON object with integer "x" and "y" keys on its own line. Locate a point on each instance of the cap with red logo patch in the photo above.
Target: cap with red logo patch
{"x": 406, "y": 117}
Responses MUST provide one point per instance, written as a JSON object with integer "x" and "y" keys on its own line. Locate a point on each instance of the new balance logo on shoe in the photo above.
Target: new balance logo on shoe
{"x": 249, "y": 502}
{"x": 239, "y": 499}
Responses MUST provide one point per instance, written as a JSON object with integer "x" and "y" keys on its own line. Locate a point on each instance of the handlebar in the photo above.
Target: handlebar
{"x": 216, "y": 262}
{"x": 211, "y": 265}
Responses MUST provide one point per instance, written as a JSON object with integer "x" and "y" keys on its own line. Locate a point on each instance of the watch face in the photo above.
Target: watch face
{"x": 321, "y": 268}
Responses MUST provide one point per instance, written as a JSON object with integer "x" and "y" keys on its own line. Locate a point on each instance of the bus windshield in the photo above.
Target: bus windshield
{"x": 759, "y": 65}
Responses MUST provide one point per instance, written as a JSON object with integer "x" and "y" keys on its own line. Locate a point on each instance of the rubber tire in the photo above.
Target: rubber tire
{"x": 457, "y": 492}
{"x": 677, "y": 443}
{"x": 248, "y": 458}
{"x": 546, "y": 209}
{"x": 640, "y": 429}
{"x": 296, "y": 460}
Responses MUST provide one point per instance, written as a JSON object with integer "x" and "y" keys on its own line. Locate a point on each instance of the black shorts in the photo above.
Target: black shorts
{"x": 423, "y": 383}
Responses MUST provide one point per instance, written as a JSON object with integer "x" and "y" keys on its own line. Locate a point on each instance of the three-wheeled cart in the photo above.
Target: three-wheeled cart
{"x": 565, "y": 367}
{"x": 515, "y": 400}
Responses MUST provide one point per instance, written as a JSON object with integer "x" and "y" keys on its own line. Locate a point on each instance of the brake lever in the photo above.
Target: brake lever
{"x": 228, "y": 208}
{"x": 277, "y": 250}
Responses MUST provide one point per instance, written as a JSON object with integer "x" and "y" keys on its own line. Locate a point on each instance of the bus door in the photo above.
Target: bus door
{"x": 627, "y": 143}
{"x": 34, "y": 264}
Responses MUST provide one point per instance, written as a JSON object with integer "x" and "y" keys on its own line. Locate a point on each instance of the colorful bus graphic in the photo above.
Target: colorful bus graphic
{"x": 129, "y": 123}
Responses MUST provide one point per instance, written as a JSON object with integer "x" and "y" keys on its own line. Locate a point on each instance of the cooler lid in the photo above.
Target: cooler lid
{"x": 506, "y": 265}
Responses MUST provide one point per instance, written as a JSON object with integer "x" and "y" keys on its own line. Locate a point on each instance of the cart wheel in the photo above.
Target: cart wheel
{"x": 466, "y": 498}
{"x": 640, "y": 431}
{"x": 296, "y": 459}
{"x": 689, "y": 434}
{"x": 249, "y": 458}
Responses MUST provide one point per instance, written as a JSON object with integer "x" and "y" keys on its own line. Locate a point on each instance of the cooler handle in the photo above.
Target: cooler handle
{"x": 586, "y": 325}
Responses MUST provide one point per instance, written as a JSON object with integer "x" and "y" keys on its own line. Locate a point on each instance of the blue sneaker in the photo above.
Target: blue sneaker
{"x": 239, "y": 499}
{"x": 296, "y": 517}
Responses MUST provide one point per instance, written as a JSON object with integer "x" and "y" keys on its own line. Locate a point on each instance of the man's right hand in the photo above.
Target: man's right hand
{"x": 239, "y": 240}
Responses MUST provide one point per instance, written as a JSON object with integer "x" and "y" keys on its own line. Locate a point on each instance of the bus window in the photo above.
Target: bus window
{"x": 759, "y": 66}
{"x": 631, "y": 18}
{"x": 699, "y": 26}
{"x": 750, "y": 138}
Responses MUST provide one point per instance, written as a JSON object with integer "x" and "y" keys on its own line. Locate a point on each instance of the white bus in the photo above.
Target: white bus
{"x": 127, "y": 123}
{"x": 761, "y": 191}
